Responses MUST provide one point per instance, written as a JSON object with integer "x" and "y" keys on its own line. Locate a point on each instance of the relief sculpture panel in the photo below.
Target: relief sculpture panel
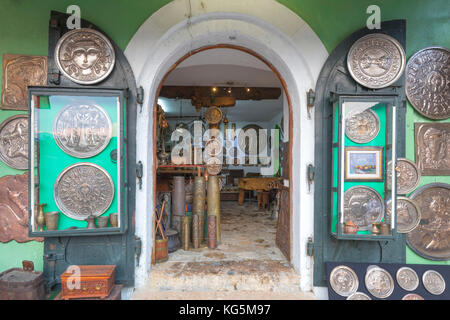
{"x": 432, "y": 147}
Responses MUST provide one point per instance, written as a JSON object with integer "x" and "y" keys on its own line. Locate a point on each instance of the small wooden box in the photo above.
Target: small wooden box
{"x": 94, "y": 282}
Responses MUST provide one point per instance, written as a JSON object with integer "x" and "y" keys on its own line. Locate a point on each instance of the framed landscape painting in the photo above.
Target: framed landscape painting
{"x": 363, "y": 164}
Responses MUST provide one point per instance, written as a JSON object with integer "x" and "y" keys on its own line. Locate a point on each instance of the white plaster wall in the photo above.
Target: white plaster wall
{"x": 263, "y": 26}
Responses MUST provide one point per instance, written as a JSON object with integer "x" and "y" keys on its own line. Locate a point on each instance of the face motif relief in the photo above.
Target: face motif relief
{"x": 86, "y": 55}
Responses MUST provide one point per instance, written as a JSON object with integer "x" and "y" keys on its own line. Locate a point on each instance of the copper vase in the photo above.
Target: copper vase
{"x": 40, "y": 219}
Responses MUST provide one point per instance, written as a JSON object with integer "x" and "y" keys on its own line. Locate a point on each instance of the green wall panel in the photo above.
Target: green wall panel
{"x": 13, "y": 253}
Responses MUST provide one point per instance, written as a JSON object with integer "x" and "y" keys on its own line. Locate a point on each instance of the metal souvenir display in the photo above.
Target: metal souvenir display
{"x": 434, "y": 282}
{"x": 85, "y": 56}
{"x": 344, "y": 281}
{"x": 362, "y": 127}
{"x": 432, "y": 147}
{"x": 379, "y": 282}
{"x": 14, "y": 141}
{"x": 412, "y": 296}
{"x": 407, "y": 278}
{"x": 427, "y": 82}
{"x": 358, "y": 296}
{"x": 82, "y": 190}
{"x": 376, "y": 60}
{"x": 364, "y": 206}
{"x": 408, "y": 175}
{"x": 408, "y": 214}
{"x": 213, "y": 115}
{"x": 430, "y": 238}
{"x": 82, "y": 130}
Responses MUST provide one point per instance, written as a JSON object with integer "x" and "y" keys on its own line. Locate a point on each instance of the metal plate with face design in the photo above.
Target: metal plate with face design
{"x": 85, "y": 56}
{"x": 358, "y": 296}
{"x": 408, "y": 175}
{"x": 434, "y": 282}
{"x": 14, "y": 141}
{"x": 344, "y": 281}
{"x": 408, "y": 214}
{"x": 412, "y": 296}
{"x": 376, "y": 60}
{"x": 362, "y": 127}
{"x": 407, "y": 278}
{"x": 428, "y": 82}
{"x": 82, "y": 190}
{"x": 364, "y": 206}
{"x": 379, "y": 282}
{"x": 82, "y": 130}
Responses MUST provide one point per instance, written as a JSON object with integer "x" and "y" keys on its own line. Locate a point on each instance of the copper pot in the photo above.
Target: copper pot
{"x": 350, "y": 229}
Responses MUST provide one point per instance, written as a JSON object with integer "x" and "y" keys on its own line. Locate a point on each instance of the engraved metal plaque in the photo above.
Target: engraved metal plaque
{"x": 358, "y": 296}
{"x": 434, "y": 282}
{"x": 408, "y": 214}
{"x": 431, "y": 238}
{"x": 408, "y": 176}
{"x": 85, "y": 56}
{"x": 376, "y": 60}
{"x": 362, "y": 127}
{"x": 14, "y": 141}
{"x": 412, "y": 296}
{"x": 83, "y": 189}
{"x": 432, "y": 148}
{"x": 213, "y": 115}
{"x": 364, "y": 206}
{"x": 344, "y": 281}
{"x": 19, "y": 72}
{"x": 379, "y": 282}
{"x": 428, "y": 82}
{"x": 82, "y": 130}
{"x": 407, "y": 279}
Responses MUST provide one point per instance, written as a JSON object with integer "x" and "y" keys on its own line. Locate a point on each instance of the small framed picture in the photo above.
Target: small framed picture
{"x": 363, "y": 163}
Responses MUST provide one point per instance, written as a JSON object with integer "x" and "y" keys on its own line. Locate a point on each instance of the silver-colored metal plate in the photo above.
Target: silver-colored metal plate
{"x": 408, "y": 176}
{"x": 376, "y": 60}
{"x": 379, "y": 282}
{"x": 82, "y": 130}
{"x": 408, "y": 214}
{"x": 364, "y": 206}
{"x": 83, "y": 189}
{"x": 434, "y": 282}
{"x": 85, "y": 56}
{"x": 359, "y": 296}
{"x": 14, "y": 141}
{"x": 407, "y": 279}
{"x": 428, "y": 82}
{"x": 344, "y": 281}
{"x": 362, "y": 127}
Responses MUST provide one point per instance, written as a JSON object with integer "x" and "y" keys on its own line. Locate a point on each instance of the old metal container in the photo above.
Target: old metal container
{"x": 18, "y": 284}
{"x": 195, "y": 231}
{"x": 213, "y": 200}
{"x": 212, "y": 232}
{"x": 189, "y": 191}
{"x": 173, "y": 240}
{"x": 102, "y": 221}
{"x": 199, "y": 203}
{"x": 51, "y": 220}
{"x": 185, "y": 233}
{"x": 113, "y": 220}
{"x": 178, "y": 202}
{"x": 161, "y": 249}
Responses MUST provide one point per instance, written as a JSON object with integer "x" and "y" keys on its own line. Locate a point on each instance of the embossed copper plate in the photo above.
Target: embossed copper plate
{"x": 431, "y": 237}
{"x": 358, "y": 296}
{"x": 376, "y": 60}
{"x": 364, "y": 206}
{"x": 213, "y": 115}
{"x": 344, "y": 281}
{"x": 362, "y": 127}
{"x": 434, "y": 282}
{"x": 412, "y": 296}
{"x": 85, "y": 56}
{"x": 408, "y": 214}
{"x": 14, "y": 141}
{"x": 83, "y": 189}
{"x": 379, "y": 282}
{"x": 407, "y": 279}
{"x": 82, "y": 130}
{"x": 408, "y": 176}
{"x": 428, "y": 82}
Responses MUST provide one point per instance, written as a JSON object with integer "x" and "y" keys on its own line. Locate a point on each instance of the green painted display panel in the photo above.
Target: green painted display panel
{"x": 13, "y": 253}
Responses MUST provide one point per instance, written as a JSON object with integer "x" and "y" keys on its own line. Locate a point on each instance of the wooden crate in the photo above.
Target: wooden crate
{"x": 18, "y": 284}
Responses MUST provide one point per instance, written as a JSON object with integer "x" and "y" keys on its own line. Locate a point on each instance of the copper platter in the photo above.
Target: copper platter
{"x": 14, "y": 141}
{"x": 344, "y": 281}
{"x": 358, "y": 296}
{"x": 412, "y": 296}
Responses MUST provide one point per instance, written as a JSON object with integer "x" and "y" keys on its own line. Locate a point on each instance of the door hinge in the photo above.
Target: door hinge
{"x": 140, "y": 96}
{"x": 311, "y": 173}
{"x": 310, "y": 247}
{"x": 137, "y": 248}
{"x": 139, "y": 173}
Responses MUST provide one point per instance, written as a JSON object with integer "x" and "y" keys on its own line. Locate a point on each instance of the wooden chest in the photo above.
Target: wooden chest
{"x": 93, "y": 282}
{"x": 18, "y": 284}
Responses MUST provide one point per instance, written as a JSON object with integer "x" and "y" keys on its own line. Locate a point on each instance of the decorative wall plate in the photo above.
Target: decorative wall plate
{"x": 83, "y": 189}
{"x": 362, "y": 127}
{"x": 379, "y": 282}
{"x": 428, "y": 82}
{"x": 434, "y": 282}
{"x": 85, "y": 56}
{"x": 364, "y": 206}
{"x": 82, "y": 130}
{"x": 430, "y": 239}
{"x": 213, "y": 166}
{"x": 213, "y": 115}
{"x": 408, "y": 176}
{"x": 413, "y": 296}
{"x": 407, "y": 279}
{"x": 376, "y": 60}
{"x": 408, "y": 214}
{"x": 344, "y": 281}
{"x": 358, "y": 296}
{"x": 14, "y": 141}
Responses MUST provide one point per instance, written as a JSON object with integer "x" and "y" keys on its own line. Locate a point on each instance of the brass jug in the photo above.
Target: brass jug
{"x": 40, "y": 219}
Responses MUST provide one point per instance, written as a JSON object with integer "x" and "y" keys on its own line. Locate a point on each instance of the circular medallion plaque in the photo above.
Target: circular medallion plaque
{"x": 82, "y": 130}
{"x": 362, "y": 127}
{"x": 358, "y": 296}
{"x": 428, "y": 82}
{"x": 413, "y": 296}
{"x": 83, "y": 189}
{"x": 14, "y": 141}
{"x": 407, "y": 279}
{"x": 379, "y": 282}
{"x": 408, "y": 214}
{"x": 213, "y": 166}
{"x": 408, "y": 175}
{"x": 376, "y": 60}
{"x": 213, "y": 115}
{"x": 344, "y": 281}
{"x": 434, "y": 282}
{"x": 364, "y": 206}
{"x": 85, "y": 56}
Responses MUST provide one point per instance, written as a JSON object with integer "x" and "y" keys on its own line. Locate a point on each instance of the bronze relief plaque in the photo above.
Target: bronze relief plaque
{"x": 428, "y": 82}
{"x": 14, "y": 141}
{"x": 364, "y": 206}
{"x": 408, "y": 214}
{"x": 431, "y": 238}
{"x": 362, "y": 127}
{"x": 344, "y": 281}
{"x": 432, "y": 147}
{"x": 19, "y": 72}
{"x": 408, "y": 176}
{"x": 379, "y": 282}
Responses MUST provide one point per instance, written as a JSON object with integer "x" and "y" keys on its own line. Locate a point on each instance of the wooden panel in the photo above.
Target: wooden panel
{"x": 284, "y": 161}
{"x": 283, "y": 237}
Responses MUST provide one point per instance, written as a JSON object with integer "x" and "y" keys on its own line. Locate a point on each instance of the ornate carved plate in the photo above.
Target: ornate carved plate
{"x": 428, "y": 82}
{"x": 213, "y": 166}
{"x": 408, "y": 214}
{"x": 362, "y": 127}
{"x": 358, "y": 296}
{"x": 434, "y": 282}
{"x": 83, "y": 189}
{"x": 376, "y": 60}
{"x": 364, "y": 206}
{"x": 85, "y": 56}
{"x": 379, "y": 282}
{"x": 412, "y": 296}
{"x": 408, "y": 176}
{"x": 14, "y": 141}
{"x": 432, "y": 148}
{"x": 430, "y": 239}
{"x": 407, "y": 278}
{"x": 82, "y": 130}
{"x": 213, "y": 115}
{"x": 344, "y": 281}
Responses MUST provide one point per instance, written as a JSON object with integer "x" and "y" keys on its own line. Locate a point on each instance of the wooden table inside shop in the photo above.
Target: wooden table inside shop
{"x": 257, "y": 183}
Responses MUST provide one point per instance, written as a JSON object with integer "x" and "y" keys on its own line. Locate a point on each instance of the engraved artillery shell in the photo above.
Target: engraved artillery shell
{"x": 185, "y": 233}
{"x": 195, "y": 231}
{"x": 213, "y": 200}
{"x": 178, "y": 202}
{"x": 198, "y": 207}
{"x": 212, "y": 232}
